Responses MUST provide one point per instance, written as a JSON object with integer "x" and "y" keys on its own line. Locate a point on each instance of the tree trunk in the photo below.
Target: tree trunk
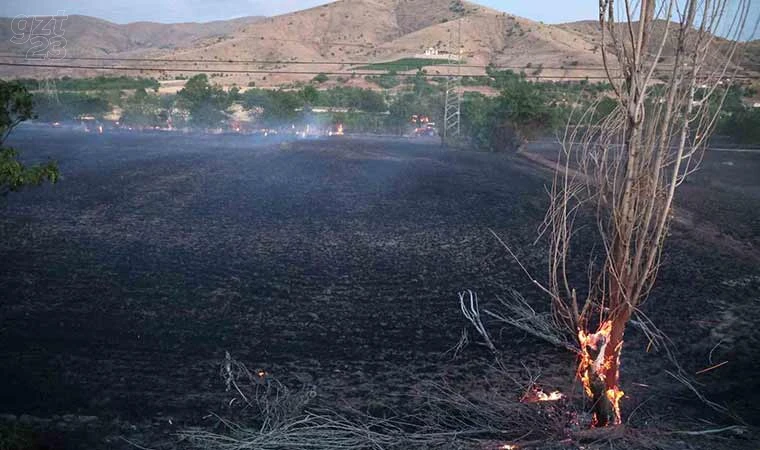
{"x": 599, "y": 370}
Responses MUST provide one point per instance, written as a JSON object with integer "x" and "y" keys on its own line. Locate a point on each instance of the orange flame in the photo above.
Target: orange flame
{"x": 614, "y": 395}
{"x": 598, "y": 365}
{"x": 554, "y": 396}
{"x": 538, "y": 395}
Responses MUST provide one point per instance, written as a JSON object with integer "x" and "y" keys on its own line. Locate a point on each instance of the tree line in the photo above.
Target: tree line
{"x": 522, "y": 110}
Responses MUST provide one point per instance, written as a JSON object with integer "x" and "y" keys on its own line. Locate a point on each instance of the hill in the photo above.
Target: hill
{"x": 386, "y": 30}
{"x": 336, "y": 37}
{"x": 92, "y": 37}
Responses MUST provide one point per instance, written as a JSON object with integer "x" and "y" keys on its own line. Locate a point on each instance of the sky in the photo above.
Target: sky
{"x": 124, "y": 11}
{"x": 168, "y": 11}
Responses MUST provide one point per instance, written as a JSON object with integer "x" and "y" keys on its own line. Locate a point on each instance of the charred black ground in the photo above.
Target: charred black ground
{"x": 333, "y": 262}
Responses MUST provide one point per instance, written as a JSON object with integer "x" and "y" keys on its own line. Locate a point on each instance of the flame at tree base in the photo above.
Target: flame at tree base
{"x": 598, "y": 370}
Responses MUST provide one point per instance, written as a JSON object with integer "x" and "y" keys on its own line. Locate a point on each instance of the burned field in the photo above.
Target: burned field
{"x": 333, "y": 264}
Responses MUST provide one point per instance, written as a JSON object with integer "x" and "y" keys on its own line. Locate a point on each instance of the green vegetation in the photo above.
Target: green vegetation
{"x": 523, "y": 109}
{"x": 426, "y": 101}
{"x": 457, "y": 6}
{"x": 743, "y": 125}
{"x": 405, "y": 64}
{"x": 526, "y": 109}
{"x": 95, "y": 84}
{"x": 738, "y": 120}
{"x": 206, "y": 103}
{"x": 352, "y": 98}
{"x": 310, "y": 96}
{"x": 320, "y": 78}
{"x": 385, "y": 81}
{"x": 473, "y": 81}
{"x": 73, "y": 98}
{"x": 277, "y": 107}
{"x": 143, "y": 110}
{"x": 364, "y": 110}
{"x": 282, "y": 106}
{"x": 17, "y": 107}
{"x": 70, "y": 105}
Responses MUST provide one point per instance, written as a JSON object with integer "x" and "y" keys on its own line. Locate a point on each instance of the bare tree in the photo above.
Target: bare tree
{"x": 669, "y": 72}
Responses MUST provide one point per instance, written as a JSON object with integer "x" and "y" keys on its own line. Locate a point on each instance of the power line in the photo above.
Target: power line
{"x": 289, "y": 62}
{"x": 289, "y": 72}
{"x": 236, "y": 71}
{"x": 254, "y": 61}
{"x": 329, "y": 63}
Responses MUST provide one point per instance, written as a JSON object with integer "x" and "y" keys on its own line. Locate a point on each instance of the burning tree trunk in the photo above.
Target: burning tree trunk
{"x": 599, "y": 370}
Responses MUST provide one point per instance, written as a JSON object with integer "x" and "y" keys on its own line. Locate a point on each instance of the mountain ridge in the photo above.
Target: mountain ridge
{"x": 328, "y": 35}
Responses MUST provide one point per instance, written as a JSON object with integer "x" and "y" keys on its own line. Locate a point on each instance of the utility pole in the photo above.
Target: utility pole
{"x": 453, "y": 103}
{"x": 50, "y": 89}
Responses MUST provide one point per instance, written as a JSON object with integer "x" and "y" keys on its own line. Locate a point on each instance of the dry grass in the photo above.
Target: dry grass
{"x": 492, "y": 416}
{"x": 446, "y": 417}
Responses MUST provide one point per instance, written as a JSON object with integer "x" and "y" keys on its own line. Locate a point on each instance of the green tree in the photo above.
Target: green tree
{"x": 353, "y": 98}
{"x": 606, "y": 106}
{"x": 742, "y": 125}
{"x": 278, "y": 107}
{"x": 142, "y": 109}
{"x": 310, "y": 96}
{"x": 320, "y": 78}
{"x": 69, "y": 106}
{"x": 523, "y": 110}
{"x": 385, "y": 81}
{"x": 478, "y": 120}
{"x": 401, "y": 110}
{"x": 234, "y": 94}
{"x": 255, "y": 98}
{"x": 369, "y": 100}
{"x": 205, "y": 102}
{"x": 15, "y": 107}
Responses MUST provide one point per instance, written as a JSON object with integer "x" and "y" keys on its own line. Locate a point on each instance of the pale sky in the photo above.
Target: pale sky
{"x": 167, "y": 11}
{"x": 124, "y": 11}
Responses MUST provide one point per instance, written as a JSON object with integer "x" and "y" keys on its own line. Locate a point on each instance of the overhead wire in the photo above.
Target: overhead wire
{"x": 380, "y": 64}
{"x": 285, "y": 72}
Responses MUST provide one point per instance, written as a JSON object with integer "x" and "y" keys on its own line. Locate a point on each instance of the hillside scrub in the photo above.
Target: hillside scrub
{"x": 386, "y": 81}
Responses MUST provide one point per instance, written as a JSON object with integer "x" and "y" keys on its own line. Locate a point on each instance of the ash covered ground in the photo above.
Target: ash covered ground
{"x": 331, "y": 263}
